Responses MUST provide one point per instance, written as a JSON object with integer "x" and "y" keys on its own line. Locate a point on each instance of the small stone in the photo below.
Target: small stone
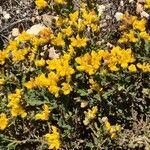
{"x": 17, "y": 11}
{"x": 144, "y": 14}
{"x": 139, "y": 8}
{"x": 35, "y": 29}
{"x": 6, "y": 16}
{"x": 101, "y": 9}
{"x": 104, "y": 119}
{"x": 121, "y": 3}
{"x": 15, "y": 32}
{"x": 118, "y": 15}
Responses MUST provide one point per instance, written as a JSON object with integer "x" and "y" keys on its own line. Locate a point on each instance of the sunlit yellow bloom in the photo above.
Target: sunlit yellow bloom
{"x": 58, "y": 41}
{"x": 89, "y": 17}
{"x": 128, "y": 37}
{"x": 44, "y": 115}
{"x": 132, "y": 68}
{"x": 30, "y": 84}
{"x": 41, "y": 4}
{"x": 24, "y": 36}
{"x": 16, "y": 108}
{"x": 66, "y": 88}
{"x": 54, "y": 89}
{"x": 68, "y": 31}
{"x": 60, "y": 1}
{"x": 40, "y": 62}
{"x": 78, "y": 42}
{"x": 139, "y": 24}
{"x": 3, "y": 121}
{"x": 144, "y": 35}
{"x": 145, "y": 67}
{"x": 3, "y": 56}
{"x": 53, "y": 139}
{"x": 147, "y": 4}
{"x": 74, "y": 16}
{"x": 41, "y": 80}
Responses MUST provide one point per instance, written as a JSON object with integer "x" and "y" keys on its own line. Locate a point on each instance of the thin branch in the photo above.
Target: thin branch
{"x": 14, "y": 23}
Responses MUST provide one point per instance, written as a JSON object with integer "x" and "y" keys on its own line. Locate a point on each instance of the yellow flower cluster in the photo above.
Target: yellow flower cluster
{"x": 41, "y": 4}
{"x": 112, "y": 129}
{"x": 15, "y": 100}
{"x": 25, "y": 46}
{"x": 40, "y": 62}
{"x": 90, "y": 115}
{"x": 137, "y": 30}
{"x": 3, "y": 121}
{"x": 90, "y": 63}
{"x": 44, "y": 115}
{"x": 145, "y": 67}
{"x": 53, "y": 139}
{"x": 75, "y": 22}
{"x": 120, "y": 57}
{"x": 78, "y": 42}
{"x": 59, "y": 68}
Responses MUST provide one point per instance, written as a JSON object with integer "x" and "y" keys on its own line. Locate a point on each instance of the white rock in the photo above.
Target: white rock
{"x": 121, "y": 3}
{"x": 101, "y": 9}
{"x": 131, "y": 1}
{"x": 118, "y": 15}
{"x": 15, "y": 32}
{"x": 6, "y": 16}
{"x": 53, "y": 54}
{"x": 35, "y": 29}
{"x": 144, "y": 14}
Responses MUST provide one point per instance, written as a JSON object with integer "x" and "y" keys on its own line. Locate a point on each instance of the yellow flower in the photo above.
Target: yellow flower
{"x": 139, "y": 24}
{"x": 147, "y": 4}
{"x": 74, "y": 16}
{"x": 30, "y": 84}
{"x": 54, "y": 89}
{"x": 16, "y": 108}
{"x": 132, "y": 68}
{"x": 2, "y": 81}
{"x": 3, "y": 121}
{"x": 44, "y": 115}
{"x": 112, "y": 129}
{"x": 58, "y": 41}
{"x": 41, "y": 80}
{"x": 89, "y": 115}
{"x": 3, "y": 56}
{"x": 68, "y": 31}
{"x": 60, "y": 1}
{"x": 41, "y": 4}
{"x": 107, "y": 125}
{"x": 145, "y": 67}
{"x": 40, "y": 63}
{"x": 66, "y": 88}
{"x": 53, "y": 139}
{"x": 78, "y": 42}
{"x": 144, "y": 35}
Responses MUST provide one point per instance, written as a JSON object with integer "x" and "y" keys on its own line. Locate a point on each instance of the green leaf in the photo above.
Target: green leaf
{"x": 82, "y": 92}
